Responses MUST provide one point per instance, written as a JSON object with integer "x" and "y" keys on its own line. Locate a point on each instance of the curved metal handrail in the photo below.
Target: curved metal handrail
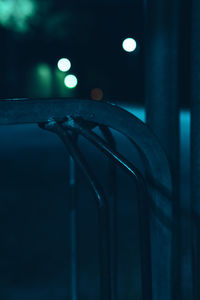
{"x": 80, "y": 128}
{"x": 103, "y": 208}
{"x": 19, "y": 111}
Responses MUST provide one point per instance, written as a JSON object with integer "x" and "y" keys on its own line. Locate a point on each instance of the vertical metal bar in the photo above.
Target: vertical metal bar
{"x": 73, "y": 230}
{"x": 162, "y": 115}
{"x": 144, "y": 238}
{"x": 103, "y": 209}
{"x": 143, "y": 202}
{"x": 195, "y": 141}
{"x": 112, "y": 189}
{"x": 185, "y": 199}
{"x": 103, "y": 216}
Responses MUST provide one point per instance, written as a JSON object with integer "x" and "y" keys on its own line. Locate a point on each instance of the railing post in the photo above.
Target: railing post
{"x": 162, "y": 114}
{"x": 73, "y": 295}
{"x": 195, "y": 142}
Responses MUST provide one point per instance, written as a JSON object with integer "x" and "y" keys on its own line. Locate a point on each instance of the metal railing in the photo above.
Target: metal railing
{"x": 71, "y": 118}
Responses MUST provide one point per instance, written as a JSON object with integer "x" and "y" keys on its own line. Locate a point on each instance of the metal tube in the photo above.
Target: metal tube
{"x": 103, "y": 211}
{"x": 162, "y": 82}
{"x": 162, "y": 109}
{"x": 143, "y": 201}
{"x": 112, "y": 189}
{"x": 73, "y": 230}
{"x": 195, "y": 142}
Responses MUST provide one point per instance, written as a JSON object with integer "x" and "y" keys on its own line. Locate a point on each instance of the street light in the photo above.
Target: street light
{"x": 129, "y": 45}
{"x": 71, "y": 81}
{"x": 64, "y": 64}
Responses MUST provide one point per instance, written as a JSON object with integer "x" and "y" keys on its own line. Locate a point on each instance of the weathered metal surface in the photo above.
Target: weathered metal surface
{"x": 42, "y": 110}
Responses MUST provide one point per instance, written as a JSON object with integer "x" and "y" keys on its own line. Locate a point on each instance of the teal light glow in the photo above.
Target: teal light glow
{"x": 129, "y": 45}
{"x": 64, "y": 64}
{"x": 71, "y": 81}
{"x": 15, "y": 14}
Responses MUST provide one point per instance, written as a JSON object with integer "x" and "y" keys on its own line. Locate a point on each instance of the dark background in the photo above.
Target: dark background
{"x": 34, "y": 189}
{"x": 34, "y": 164}
{"x": 89, "y": 34}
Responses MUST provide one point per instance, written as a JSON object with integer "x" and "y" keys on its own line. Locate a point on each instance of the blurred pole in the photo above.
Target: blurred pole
{"x": 162, "y": 116}
{"x": 73, "y": 230}
{"x": 195, "y": 142}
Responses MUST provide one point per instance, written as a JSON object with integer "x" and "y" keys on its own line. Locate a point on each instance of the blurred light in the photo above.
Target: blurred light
{"x": 129, "y": 45}
{"x": 40, "y": 81}
{"x": 44, "y": 71}
{"x": 71, "y": 81}
{"x": 64, "y": 64}
{"x": 16, "y": 14}
{"x": 96, "y": 94}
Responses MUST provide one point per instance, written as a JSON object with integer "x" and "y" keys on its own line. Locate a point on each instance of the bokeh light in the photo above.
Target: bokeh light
{"x": 64, "y": 64}
{"x": 96, "y": 94}
{"x": 129, "y": 45}
{"x": 16, "y": 14}
{"x": 71, "y": 81}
